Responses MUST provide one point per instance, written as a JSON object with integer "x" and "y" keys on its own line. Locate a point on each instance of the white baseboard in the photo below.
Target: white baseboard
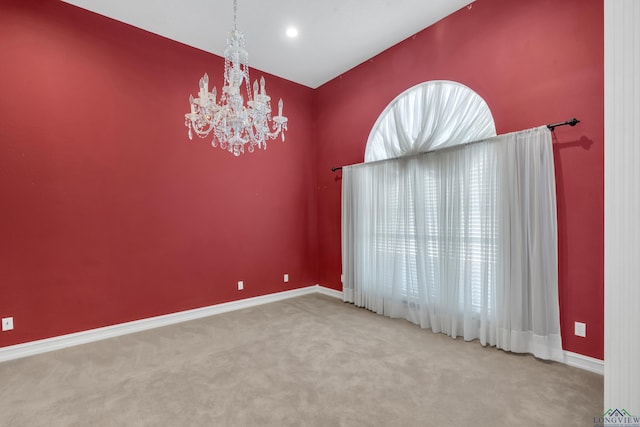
{"x": 56, "y": 343}
{"x": 63, "y": 341}
{"x": 584, "y": 362}
{"x": 328, "y": 292}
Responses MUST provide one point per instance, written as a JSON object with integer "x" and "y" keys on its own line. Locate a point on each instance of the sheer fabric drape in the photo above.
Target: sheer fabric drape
{"x": 430, "y": 115}
{"x": 461, "y": 240}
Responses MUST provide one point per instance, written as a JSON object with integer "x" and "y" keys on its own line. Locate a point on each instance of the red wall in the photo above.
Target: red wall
{"x": 534, "y": 62}
{"x": 108, "y": 212}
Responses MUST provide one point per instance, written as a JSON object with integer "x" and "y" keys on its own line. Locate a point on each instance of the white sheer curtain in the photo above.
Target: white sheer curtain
{"x": 430, "y": 115}
{"x": 462, "y": 240}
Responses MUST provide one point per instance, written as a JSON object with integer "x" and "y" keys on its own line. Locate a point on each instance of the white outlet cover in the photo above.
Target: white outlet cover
{"x": 286, "y": 278}
{"x": 580, "y": 329}
{"x": 7, "y": 323}
{"x": 240, "y": 285}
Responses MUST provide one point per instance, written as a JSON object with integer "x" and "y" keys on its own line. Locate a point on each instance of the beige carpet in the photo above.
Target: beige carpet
{"x": 308, "y": 361}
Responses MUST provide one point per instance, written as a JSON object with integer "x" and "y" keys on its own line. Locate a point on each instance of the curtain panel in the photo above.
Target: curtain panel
{"x": 462, "y": 240}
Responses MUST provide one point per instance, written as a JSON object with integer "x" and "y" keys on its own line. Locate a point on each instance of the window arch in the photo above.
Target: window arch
{"x": 430, "y": 115}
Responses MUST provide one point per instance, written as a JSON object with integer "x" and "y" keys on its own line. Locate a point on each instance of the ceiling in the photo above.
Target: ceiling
{"x": 334, "y": 35}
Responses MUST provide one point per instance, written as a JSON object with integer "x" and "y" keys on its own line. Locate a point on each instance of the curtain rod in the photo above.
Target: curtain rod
{"x": 551, "y": 127}
{"x": 571, "y": 122}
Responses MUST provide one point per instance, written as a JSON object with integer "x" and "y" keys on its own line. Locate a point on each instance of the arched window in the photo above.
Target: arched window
{"x": 428, "y": 116}
{"x": 462, "y": 240}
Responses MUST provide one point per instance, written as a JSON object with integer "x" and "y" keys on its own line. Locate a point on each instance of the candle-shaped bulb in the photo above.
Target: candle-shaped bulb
{"x": 262, "y": 89}
{"x": 280, "y": 104}
{"x": 205, "y": 83}
{"x": 255, "y": 88}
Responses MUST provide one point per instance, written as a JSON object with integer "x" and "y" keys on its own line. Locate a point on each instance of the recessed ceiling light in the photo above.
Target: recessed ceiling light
{"x": 292, "y": 32}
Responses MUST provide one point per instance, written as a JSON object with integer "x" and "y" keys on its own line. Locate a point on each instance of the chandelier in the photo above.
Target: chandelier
{"x": 233, "y": 124}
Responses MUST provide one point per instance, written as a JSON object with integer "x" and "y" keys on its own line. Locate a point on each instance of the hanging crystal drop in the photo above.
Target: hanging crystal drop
{"x": 190, "y": 134}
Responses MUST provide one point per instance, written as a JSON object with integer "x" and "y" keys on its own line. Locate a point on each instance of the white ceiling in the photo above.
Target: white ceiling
{"x": 334, "y": 35}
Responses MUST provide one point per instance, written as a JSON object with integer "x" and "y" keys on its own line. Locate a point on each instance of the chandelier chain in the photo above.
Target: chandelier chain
{"x": 235, "y": 15}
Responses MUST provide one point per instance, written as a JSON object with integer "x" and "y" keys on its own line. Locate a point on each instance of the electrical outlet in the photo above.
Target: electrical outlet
{"x": 240, "y": 285}
{"x": 286, "y": 278}
{"x": 7, "y": 323}
{"x": 580, "y": 329}
{"x": 342, "y": 278}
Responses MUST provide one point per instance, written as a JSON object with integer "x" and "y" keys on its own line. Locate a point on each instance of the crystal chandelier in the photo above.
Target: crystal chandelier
{"x": 233, "y": 124}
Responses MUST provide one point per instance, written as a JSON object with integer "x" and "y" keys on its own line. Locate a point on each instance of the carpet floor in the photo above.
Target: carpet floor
{"x": 306, "y": 361}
